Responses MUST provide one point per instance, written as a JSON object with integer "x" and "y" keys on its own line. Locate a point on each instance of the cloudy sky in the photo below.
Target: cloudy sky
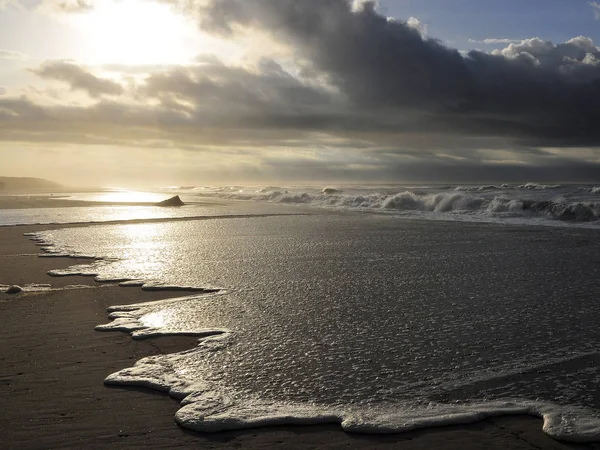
{"x": 118, "y": 92}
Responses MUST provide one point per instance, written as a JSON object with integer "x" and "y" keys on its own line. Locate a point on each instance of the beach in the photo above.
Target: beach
{"x": 299, "y": 224}
{"x": 54, "y": 363}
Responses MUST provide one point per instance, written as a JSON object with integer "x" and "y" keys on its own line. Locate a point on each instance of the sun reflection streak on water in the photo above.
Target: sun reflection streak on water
{"x": 147, "y": 235}
{"x": 155, "y": 320}
{"x": 120, "y": 196}
{"x": 143, "y": 247}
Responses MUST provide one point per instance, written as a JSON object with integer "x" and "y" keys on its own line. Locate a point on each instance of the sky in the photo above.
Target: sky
{"x": 168, "y": 92}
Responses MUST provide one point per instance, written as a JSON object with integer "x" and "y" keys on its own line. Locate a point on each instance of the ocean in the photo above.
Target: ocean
{"x": 380, "y": 308}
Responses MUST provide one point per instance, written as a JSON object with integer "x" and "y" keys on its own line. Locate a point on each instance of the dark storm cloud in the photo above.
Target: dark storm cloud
{"x": 220, "y": 95}
{"x": 78, "y": 78}
{"x": 374, "y": 60}
{"x": 183, "y": 124}
{"x": 536, "y": 92}
{"x": 438, "y": 171}
{"x": 562, "y": 170}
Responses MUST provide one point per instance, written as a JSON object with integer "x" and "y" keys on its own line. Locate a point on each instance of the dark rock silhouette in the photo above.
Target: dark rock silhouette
{"x": 14, "y": 289}
{"x": 173, "y": 201}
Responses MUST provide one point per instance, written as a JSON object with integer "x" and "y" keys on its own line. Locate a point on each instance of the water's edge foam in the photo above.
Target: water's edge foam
{"x": 207, "y": 408}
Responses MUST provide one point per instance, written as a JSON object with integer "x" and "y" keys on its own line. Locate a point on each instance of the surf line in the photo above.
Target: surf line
{"x": 155, "y": 220}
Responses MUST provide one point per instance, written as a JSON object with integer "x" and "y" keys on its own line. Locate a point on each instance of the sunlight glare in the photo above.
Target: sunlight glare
{"x": 136, "y": 32}
{"x": 155, "y": 319}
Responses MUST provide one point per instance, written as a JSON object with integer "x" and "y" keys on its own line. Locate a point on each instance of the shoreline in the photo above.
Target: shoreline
{"x": 54, "y": 364}
{"x": 10, "y": 202}
{"x": 36, "y": 201}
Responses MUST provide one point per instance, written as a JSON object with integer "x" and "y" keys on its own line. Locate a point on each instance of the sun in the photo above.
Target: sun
{"x": 135, "y": 32}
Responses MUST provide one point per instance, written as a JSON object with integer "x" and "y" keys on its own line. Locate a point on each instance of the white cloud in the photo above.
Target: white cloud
{"x": 591, "y": 60}
{"x": 5, "y": 3}
{"x": 584, "y": 43}
{"x": 535, "y": 47}
{"x": 358, "y": 5}
{"x": 415, "y": 23}
{"x": 596, "y": 8}
{"x": 564, "y": 57}
{"x": 493, "y": 41}
{"x": 9, "y": 54}
{"x": 66, "y": 6}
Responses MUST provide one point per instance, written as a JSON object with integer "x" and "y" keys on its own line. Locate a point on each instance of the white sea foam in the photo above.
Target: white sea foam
{"x": 539, "y": 187}
{"x": 210, "y": 408}
{"x": 474, "y": 203}
{"x": 209, "y": 411}
{"x": 206, "y": 408}
{"x": 144, "y": 321}
{"x": 485, "y": 187}
{"x": 132, "y": 283}
{"x": 76, "y": 270}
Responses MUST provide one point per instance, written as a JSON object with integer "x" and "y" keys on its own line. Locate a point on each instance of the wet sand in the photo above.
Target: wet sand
{"x": 53, "y": 363}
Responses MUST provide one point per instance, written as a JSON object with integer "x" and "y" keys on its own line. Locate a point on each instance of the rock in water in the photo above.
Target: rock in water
{"x": 14, "y": 289}
{"x": 173, "y": 201}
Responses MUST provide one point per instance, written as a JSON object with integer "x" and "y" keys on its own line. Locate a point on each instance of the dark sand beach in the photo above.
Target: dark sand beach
{"x": 53, "y": 365}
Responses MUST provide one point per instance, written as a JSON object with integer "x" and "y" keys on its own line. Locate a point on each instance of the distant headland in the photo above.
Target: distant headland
{"x": 27, "y": 184}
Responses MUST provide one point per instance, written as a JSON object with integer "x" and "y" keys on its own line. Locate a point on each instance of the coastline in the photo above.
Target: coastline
{"x": 54, "y": 363}
{"x": 23, "y": 201}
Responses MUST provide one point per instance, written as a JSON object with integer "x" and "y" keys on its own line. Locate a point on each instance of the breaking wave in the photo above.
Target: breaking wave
{"x": 461, "y": 201}
{"x": 539, "y": 187}
{"x": 482, "y": 188}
